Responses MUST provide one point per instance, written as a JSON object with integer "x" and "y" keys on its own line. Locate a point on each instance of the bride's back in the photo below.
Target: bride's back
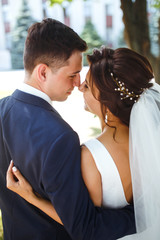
{"x": 118, "y": 148}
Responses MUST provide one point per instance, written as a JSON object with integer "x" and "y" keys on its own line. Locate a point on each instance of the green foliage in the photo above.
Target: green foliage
{"x": 52, "y": 2}
{"x": 156, "y": 3}
{"x": 1, "y": 228}
{"x": 19, "y": 34}
{"x": 92, "y": 38}
{"x": 95, "y": 131}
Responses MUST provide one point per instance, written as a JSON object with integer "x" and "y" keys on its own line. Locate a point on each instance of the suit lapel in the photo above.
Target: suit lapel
{"x": 33, "y": 100}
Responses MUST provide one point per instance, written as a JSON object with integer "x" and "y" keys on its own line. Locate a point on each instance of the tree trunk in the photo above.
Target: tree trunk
{"x": 135, "y": 18}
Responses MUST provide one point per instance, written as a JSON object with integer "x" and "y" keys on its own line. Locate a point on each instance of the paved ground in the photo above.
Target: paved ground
{"x": 84, "y": 123}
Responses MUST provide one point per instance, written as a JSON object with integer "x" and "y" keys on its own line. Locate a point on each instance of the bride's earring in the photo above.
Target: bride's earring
{"x": 106, "y": 116}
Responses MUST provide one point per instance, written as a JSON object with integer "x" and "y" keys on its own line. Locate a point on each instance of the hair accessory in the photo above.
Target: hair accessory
{"x": 124, "y": 92}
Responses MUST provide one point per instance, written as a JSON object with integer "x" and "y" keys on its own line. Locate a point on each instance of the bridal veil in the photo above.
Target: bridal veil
{"x": 144, "y": 154}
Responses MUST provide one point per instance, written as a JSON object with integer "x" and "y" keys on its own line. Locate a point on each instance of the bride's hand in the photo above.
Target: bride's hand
{"x": 18, "y": 184}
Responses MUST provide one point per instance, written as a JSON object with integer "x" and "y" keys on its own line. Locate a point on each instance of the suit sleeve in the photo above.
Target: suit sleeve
{"x": 64, "y": 185}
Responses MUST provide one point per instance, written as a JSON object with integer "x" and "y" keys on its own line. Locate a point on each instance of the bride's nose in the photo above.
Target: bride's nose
{"x": 81, "y": 87}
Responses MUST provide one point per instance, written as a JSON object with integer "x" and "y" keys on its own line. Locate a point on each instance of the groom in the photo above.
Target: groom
{"x": 45, "y": 148}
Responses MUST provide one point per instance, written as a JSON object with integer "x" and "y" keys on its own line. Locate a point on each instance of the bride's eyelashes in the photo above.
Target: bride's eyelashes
{"x": 85, "y": 85}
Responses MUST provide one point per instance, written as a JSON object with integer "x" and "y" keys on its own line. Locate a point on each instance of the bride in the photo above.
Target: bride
{"x": 123, "y": 163}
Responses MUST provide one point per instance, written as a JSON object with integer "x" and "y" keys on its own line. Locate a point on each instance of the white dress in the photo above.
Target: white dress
{"x": 112, "y": 188}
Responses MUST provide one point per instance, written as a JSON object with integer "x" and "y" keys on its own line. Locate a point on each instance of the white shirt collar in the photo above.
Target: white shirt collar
{"x": 34, "y": 91}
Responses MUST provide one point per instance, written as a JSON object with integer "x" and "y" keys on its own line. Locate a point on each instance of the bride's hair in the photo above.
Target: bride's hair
{"x": 121, "y": 76}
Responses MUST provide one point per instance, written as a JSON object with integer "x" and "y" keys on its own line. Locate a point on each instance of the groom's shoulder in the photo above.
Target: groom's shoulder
{"x": 5, "y": 105}
{"x": 53, "y": 125}
{"x": 59, "y": 125}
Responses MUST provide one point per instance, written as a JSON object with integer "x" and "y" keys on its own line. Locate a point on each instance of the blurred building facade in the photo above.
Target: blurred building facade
{"x": 106, "y": 16}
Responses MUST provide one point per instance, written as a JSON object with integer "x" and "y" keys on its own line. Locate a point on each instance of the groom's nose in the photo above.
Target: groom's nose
{"x": 76, "y": 82}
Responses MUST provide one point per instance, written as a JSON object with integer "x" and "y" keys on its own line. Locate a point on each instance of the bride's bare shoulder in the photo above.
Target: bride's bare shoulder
{"x": 91, "y": 175}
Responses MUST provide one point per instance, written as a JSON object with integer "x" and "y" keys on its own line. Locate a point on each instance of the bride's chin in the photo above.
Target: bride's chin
{"x": 86, "y": 108}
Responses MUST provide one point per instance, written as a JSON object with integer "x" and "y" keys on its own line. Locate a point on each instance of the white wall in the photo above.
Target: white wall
{"x": 5, "y": 60}
{"x": 14, "y": 8}
{"x": 76, "y": 11}
{"x": 36, "y": 9}
{"x": 55, "y": 12}
{"x": 77, "y": 18}
{"x": 2, "y": 36}
{"x": 117, "y": 22}
{"x": 99, "y": 18}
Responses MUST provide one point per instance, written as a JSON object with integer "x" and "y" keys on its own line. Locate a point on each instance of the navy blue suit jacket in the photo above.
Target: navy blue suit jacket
{"x": 47, "y": 151}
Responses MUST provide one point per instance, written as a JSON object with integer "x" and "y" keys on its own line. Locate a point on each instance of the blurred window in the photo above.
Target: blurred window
{"x": 7, "y": 27}
{"x": 67, "y": 20}
{"x": 4, "y": 2}
{"x": 109, "y": 21}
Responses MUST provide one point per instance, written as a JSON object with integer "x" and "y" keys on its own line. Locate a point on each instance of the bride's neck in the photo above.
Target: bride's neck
{"x": 122, "y": 131}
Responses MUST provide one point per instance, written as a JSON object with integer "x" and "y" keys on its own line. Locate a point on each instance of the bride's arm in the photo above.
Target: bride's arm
{"x": 90, "y": 174}
{"x": 22, "y": 187}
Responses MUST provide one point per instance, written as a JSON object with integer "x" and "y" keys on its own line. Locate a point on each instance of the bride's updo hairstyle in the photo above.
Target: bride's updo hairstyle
{"x": 121, "y": 76}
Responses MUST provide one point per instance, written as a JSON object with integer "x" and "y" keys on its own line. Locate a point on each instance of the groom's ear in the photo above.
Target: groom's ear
{"x": 41, "y": 72}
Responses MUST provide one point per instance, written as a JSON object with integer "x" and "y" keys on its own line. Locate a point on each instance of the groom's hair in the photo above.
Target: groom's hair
{"x": 52, "y": 43}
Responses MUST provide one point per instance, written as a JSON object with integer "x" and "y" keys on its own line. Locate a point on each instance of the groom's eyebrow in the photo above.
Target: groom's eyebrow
{"x": 76, "y": 72}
